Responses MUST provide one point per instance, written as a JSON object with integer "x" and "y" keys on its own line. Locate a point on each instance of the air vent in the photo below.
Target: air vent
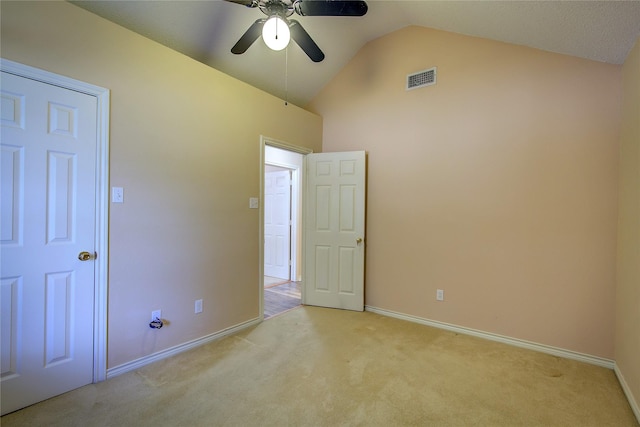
{"x": 421, "y": 79}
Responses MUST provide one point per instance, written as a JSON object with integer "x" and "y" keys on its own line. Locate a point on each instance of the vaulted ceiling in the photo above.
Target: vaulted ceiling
{"x": 206, "y": 30}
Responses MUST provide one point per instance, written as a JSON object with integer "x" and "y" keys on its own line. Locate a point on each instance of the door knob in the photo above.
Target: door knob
{"x": 359, "y": 240}
{"x": 86, "y": 256}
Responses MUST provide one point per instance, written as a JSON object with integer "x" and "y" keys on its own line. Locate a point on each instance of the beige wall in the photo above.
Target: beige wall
{"x": 628, "y": 290}
{"x": 185, "y": 147}
{"x": 498, "y": 185}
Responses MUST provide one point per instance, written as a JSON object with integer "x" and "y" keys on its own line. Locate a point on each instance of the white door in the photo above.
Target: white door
{"x": 277, "y": 224}
{"x": 48, "y": 203}
{"x": 334, "y": 230}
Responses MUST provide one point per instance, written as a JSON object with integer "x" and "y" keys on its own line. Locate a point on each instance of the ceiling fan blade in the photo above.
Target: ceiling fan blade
{"x": 247, "y": 39}
{"x": 304, "y": 40}
{"x": 248, "y": 3}
{"x": 330, "y": 8}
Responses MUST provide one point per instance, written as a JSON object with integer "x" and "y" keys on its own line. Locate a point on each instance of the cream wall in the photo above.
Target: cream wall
{"x": 628, "y": 290}
{"x": 497, "y": 185}
{"x": 184, "y": 142}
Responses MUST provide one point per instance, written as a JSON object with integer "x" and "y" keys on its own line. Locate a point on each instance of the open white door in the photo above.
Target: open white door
{"x": 277, "y": 224}
{"x": 48, "y": 229}
{"x": 334, "y": 230}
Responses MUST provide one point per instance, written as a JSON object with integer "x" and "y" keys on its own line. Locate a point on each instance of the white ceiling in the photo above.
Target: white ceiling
{"x": 206, "y": 30}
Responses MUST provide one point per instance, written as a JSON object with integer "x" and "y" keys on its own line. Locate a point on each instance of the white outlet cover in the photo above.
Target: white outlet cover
{"x": 117, "y": 195}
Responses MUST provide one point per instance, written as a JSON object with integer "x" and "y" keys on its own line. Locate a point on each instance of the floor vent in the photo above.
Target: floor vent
{"x": 421, "y": 79}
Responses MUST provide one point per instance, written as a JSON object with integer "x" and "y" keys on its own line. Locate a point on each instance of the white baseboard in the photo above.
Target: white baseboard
{"x": 627, "y": 391}
{"x": 163, "y": 354}
{"x": 568, "y": 354}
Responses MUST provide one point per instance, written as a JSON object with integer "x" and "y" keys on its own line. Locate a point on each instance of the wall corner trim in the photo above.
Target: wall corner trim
{"x": 627, "y": 392}
{"x": 180, "y": 348}
{"x": 555, "y": 351}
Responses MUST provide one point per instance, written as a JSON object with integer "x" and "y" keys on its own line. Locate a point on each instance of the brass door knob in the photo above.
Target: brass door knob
{"x": 86, "y": 256}
{"x": 358, "y": 240}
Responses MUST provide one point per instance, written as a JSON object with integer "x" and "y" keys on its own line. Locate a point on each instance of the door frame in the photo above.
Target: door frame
{"x": 264, "y": 141}
{"x": 102, "y": 96}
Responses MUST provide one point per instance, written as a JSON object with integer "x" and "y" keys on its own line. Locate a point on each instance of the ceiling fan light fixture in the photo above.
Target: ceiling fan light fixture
{"x": 275, "y": 33}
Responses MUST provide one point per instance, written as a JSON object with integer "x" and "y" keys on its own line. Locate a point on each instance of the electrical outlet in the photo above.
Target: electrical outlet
{"x": 439, "y": 295}
{"x": 198, "y": 306}
{"x": 156, "y": 314}
{"x": 117, "y": 195}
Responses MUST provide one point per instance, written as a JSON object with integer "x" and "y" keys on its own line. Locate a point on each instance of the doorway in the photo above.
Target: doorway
{"x": 282, "y": 213}
{"x": 334, "y": 218}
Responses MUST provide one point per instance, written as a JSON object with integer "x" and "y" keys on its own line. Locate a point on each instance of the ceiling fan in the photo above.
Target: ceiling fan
{"x": 276, "y": 29}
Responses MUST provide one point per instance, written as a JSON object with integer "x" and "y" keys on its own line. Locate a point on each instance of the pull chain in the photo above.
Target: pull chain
{"x": 286, "y": 76}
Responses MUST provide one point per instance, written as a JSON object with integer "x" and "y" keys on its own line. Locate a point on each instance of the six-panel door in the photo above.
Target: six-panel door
{"x": 334, "y": 230}
{"x": 48, "y": 203}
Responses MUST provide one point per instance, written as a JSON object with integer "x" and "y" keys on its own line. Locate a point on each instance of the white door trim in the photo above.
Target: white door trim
{"x": 264, "y": 140}
{"x": 102, "y": 199}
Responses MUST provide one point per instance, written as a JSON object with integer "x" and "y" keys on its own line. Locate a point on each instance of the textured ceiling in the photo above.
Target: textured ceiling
{"x": 206, "y": 30}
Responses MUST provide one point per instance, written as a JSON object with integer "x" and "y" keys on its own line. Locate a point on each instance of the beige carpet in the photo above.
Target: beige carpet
{"x": 321, "y": 367}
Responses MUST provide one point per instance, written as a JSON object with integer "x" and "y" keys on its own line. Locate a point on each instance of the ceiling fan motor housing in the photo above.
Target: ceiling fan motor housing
{"x": 276, "y": 7}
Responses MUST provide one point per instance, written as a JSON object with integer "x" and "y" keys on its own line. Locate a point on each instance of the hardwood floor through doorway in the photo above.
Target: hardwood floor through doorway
{"x": 280, "y": 296}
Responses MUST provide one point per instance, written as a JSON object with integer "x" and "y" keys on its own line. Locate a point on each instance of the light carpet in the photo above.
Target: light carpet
{"x": 323, "y": 367}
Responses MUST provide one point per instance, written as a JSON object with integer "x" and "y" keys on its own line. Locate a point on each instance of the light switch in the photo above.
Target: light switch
{"x": 254, "y": 203}
{"x": 117, "y": 195}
